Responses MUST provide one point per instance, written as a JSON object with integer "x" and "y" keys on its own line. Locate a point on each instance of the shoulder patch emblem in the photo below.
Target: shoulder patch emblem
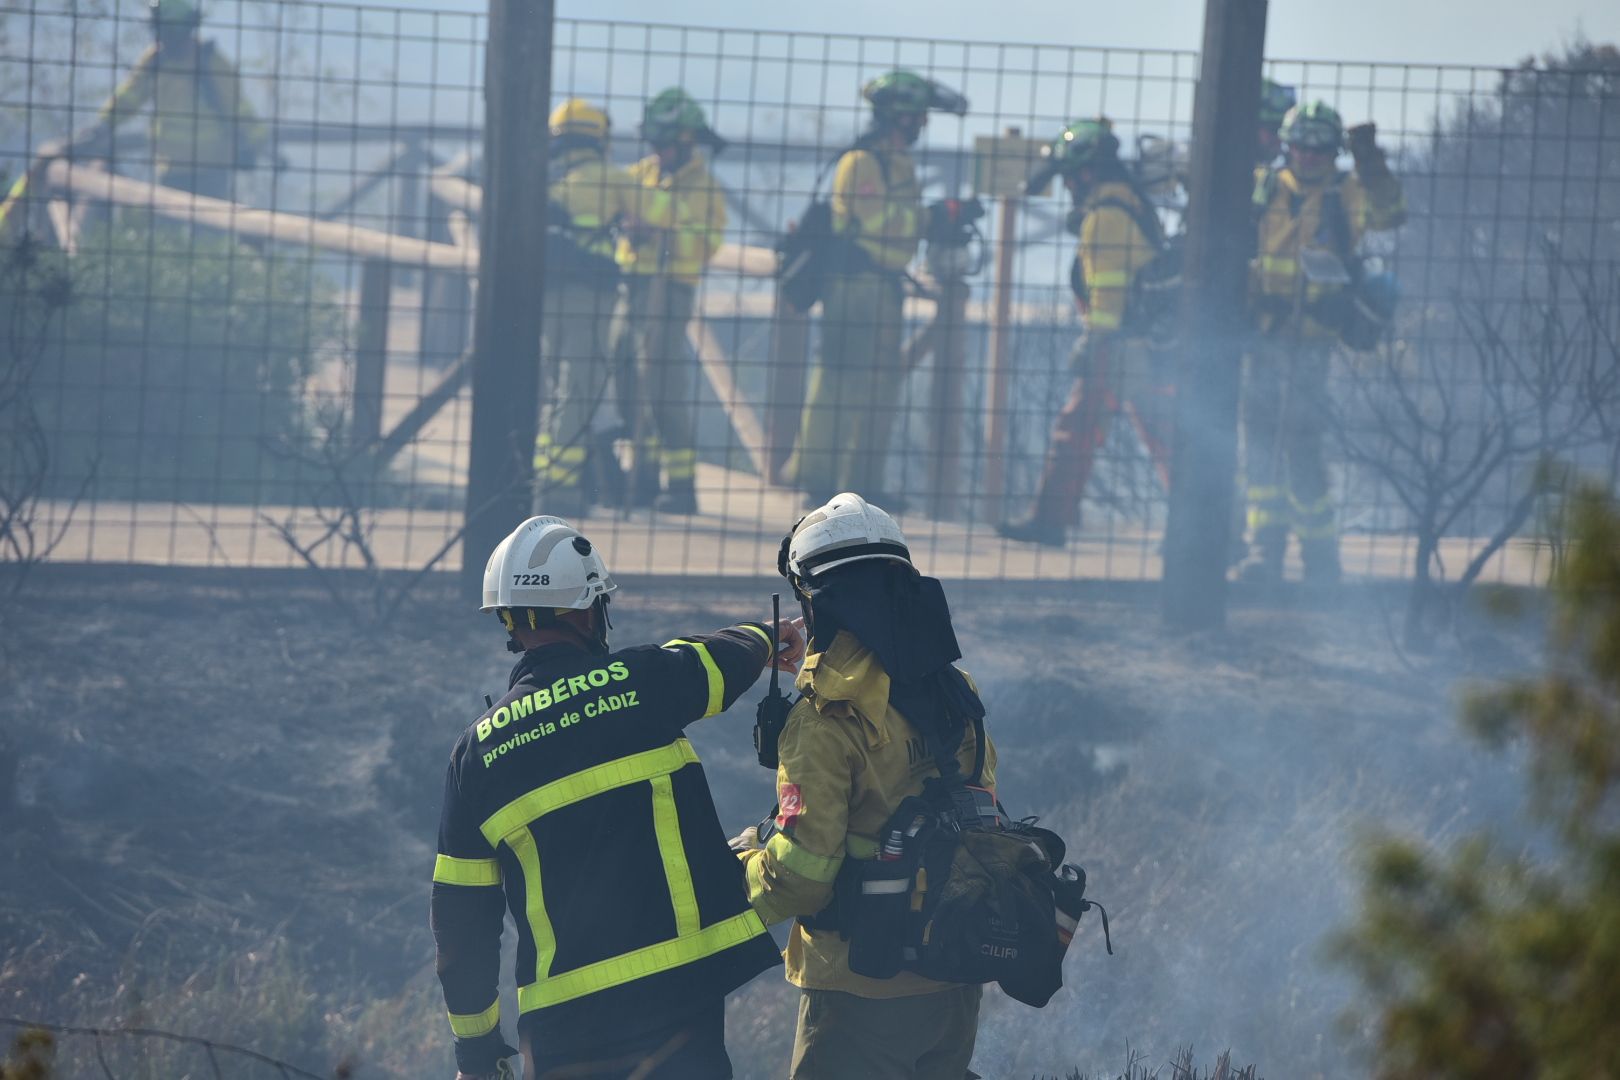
{"x": 790, "y": 803}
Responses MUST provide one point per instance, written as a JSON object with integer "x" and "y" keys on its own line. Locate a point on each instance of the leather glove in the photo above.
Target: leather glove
{"x": 747, "y": 840}
{"x": 1363, "y": 142}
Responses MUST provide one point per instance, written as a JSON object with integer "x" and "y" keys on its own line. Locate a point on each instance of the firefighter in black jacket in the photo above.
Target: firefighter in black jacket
{"x": 576, "y": 803}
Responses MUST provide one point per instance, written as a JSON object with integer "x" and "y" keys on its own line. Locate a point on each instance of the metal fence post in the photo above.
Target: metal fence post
{"x": 371, "y": 352}
{"x": 1001, "y": 331}
{"x": 1204, "y": 455}
{"x": 944, "y": 461}
{"x": 511, "y": 230}
{"x": 784, "y": 382}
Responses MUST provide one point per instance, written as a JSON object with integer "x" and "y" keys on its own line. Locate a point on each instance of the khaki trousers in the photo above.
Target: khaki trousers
{"x": 927, "y": 1037}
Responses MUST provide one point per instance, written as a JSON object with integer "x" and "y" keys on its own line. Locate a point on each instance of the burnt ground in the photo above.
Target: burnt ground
{"x": 218, "y": 801}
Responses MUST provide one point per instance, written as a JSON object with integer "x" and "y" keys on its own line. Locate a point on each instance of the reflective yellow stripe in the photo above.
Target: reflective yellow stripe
{"x": 1103, "y": 320}
{"x": 763, "y": 636}
{"x": 534, "y": 902}
{"x": 1321, "y": 505}
{"x": 618, "y": 970}
{"x": 1109, "y": 279}
{"x": 472, "y": 1025}
{"x": 667, "y": 827}
{"x": 512, "y": 819}
{"x": 894, "y": 214}
{"x": 1267, "y": 493}
{"x": 1278, "y": 264}
{"x": 1314, "y": 521}
{"x": 1266, "y": 519}
{"x": 797, "y": 860}
{"x": 448, "y": 870}
{"x": 717, "y": 685}
{"x": 679, "y": 464}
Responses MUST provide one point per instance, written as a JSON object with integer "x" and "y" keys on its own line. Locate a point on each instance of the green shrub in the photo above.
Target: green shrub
{"x": 184, "y": 363}
{"x": 1489, "y": 962}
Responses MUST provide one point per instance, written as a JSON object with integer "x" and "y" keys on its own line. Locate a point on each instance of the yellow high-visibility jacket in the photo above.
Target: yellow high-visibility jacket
{"x": 1112, "y": 249}
{"x": 883, "y": 215}
{"x": 200, "y": 116}
{"x": 847, "y": 759}
{"x": 595, "y": 194}
{"x": 685, "y": 215}
{"x": 1289, "y": 214}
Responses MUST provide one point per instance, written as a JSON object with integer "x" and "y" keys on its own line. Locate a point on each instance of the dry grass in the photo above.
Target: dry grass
{"x": 234, "y": 801}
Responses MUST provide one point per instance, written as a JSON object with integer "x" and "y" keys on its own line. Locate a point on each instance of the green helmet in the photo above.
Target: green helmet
{"x": 180, "y": 12}
{"x": 1275, "y": 101}
{"x": 908, "y": 92}
{"x": 673, "y": 117}
{"x": 1084, "y": 142}
{"x": 1312, "y": 127}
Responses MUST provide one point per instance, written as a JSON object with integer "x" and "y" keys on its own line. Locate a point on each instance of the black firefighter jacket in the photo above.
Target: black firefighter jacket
{"x": 577, "y": 804}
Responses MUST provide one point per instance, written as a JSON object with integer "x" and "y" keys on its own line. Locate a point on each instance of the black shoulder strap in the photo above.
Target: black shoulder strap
{"x": 207, "y": 85}
{"x": 945, "y": 756}
{"x": 1336, "y": 219}
{"x": 862, "y": 143}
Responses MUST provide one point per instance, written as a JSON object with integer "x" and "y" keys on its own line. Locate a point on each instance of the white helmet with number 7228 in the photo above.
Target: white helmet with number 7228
{"x": 843, "y": 530}
{"x": 545, "y": 563}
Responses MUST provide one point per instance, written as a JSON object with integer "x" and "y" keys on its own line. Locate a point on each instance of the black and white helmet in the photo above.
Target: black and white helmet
{"x": 545, "y": 563}
{"x": 844, "y": 530}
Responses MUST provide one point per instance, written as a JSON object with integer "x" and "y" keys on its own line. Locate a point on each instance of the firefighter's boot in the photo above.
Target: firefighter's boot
{"x": 643, "y": 484}
{"x": 605, "y": 479}
{"x": 1321, "y": 559}
{"x": 1033, "y": 530}
{"x": 681, "y": 498}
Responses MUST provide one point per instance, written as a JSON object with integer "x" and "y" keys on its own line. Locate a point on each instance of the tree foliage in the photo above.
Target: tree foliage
{"x": 1490, "y": 963}
{"x": 186, "y": 360}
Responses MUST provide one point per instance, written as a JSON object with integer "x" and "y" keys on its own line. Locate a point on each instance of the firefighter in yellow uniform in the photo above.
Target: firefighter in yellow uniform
{"x": 854, "y": 390}
{"x": 203, "y": 129}
{"x": 589, "y": 201}
{"x": 1119, "y": 235}
{"x": 681, "y": 219}
{"x": 1311, "y": 217}
{"x": 880, "y": 662}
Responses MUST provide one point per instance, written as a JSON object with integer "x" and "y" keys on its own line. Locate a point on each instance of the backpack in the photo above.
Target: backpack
{"x": 811, "y": 249}
{"x": 959, "y": 893}
{"x": 1155, "y": 289}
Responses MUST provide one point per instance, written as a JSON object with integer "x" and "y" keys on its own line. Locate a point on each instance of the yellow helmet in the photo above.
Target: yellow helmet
{"x": 576, "y": 116}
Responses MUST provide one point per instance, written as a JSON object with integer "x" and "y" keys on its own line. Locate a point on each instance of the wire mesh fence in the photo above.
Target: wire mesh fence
{"x": 269, "y": 224}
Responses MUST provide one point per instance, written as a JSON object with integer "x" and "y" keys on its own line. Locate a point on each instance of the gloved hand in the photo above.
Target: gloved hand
{"x": 1363, "y": 143}
{"x": 747, "y": 840}
{"x": 790, "y": 644}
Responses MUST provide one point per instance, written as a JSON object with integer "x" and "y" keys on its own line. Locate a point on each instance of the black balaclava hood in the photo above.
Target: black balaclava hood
{"x": 904, "y": 619}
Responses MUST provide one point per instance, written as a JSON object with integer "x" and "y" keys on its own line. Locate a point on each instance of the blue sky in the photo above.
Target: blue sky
{"x": 1424, "y": 31}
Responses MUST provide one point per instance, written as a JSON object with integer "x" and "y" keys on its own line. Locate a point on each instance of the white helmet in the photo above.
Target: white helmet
{"x": 846, "y": 529}
{"x": 545, "y": 563}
